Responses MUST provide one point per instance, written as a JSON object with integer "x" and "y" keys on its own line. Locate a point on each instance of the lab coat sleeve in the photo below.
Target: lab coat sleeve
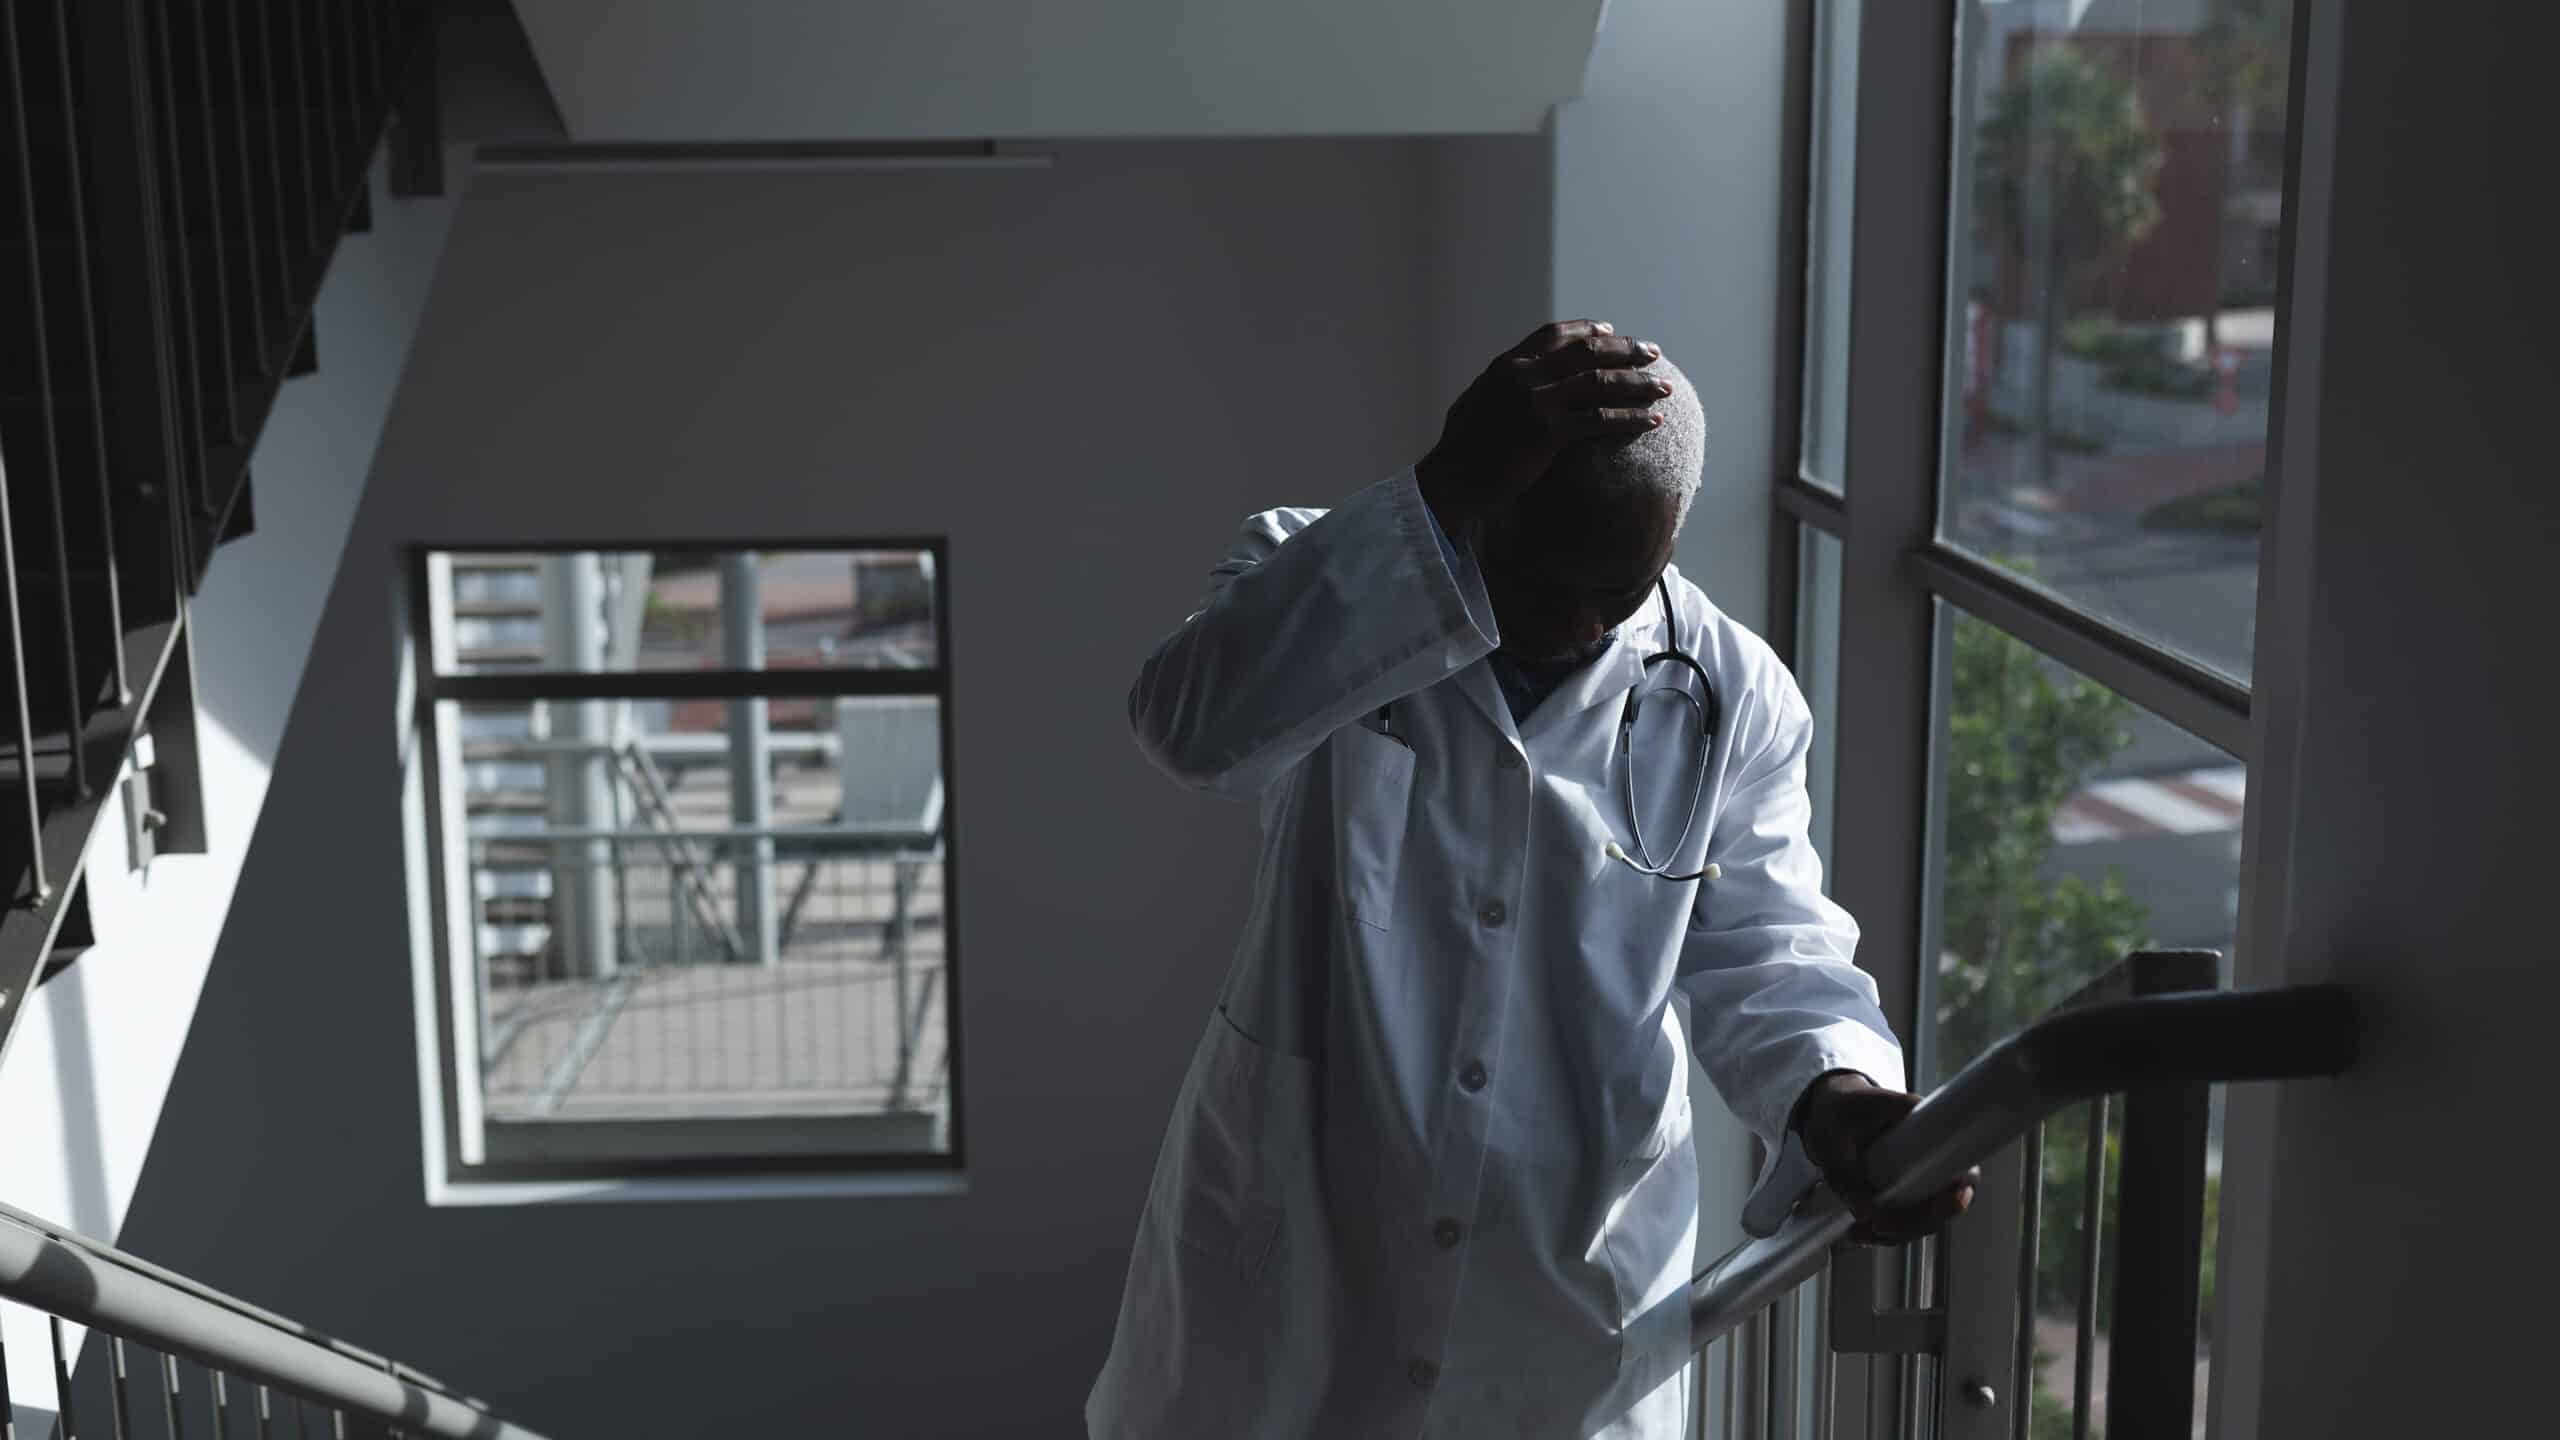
{"x": 1774, "y": 998}
{"x": 1313, "y": 619}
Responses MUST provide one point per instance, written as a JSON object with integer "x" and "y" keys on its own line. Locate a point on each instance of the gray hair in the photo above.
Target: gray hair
{"x": 1669, "y": 460}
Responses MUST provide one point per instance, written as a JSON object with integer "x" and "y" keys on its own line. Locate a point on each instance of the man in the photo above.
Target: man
{"x": 1430, "y": 1172}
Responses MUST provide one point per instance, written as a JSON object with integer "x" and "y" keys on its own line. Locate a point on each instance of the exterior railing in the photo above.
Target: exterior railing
{"x": 262, "y": 1374}
{"x": 2153, "y": 1030}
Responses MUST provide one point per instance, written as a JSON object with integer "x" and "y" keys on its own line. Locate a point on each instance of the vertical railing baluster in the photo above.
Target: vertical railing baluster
{"x": 1731, "y": 1409}
{"x": 251, "y": 263}
{"x": 337, "y": 1424}
{"x": 38, "y": 885}
{"x": 2022, "y": 1373}
{"x": 8, "y": 1407}
{"x": 273, "y": 173}
{"x": 228, "y": 325}
{"x": 365, "y": 30}
{"x": 221, "y": 1407}
{"x": 92, "y": 386}
{"x": 187, "y": 394}
{"x": 266, "y": 1414}
{"x": 191, "y": 100}
{"x": 74, "y": 709}
{"x": 65, "y": 1410}
{"x": 2093, "y": 1215}
{"x": 319, "y": 47}
{"x": 121, "y": 1393}
{"x": 169, "y": 1396}
{"x": 309, "y": 140}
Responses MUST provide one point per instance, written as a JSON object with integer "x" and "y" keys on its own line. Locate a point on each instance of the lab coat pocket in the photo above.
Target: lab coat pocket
{"x": 1372, "y": 790}
{"x": 1652, "y": 1243}
{"x": 1242, "y": 1141}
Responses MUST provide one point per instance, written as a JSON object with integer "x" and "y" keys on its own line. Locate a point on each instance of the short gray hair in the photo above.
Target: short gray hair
{"x": 1669, "y": 460}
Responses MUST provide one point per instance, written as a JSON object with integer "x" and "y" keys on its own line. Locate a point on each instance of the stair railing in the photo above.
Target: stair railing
{"x": 259, "y": 1368}
{"x": 2154, "y": 1030}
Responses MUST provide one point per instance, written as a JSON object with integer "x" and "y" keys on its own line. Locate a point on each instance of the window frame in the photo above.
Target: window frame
{"x": 1901, "y": 583}
{"x": 434, "y": 838}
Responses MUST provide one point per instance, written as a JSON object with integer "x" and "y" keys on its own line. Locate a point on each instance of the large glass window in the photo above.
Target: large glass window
{"x": 2119, "y": 187}
{"x": 687, "y": 819}
{"x": 1830, "y": 199}
{"x": 2074, "y": 828}
{"x": 1817, "y": 672}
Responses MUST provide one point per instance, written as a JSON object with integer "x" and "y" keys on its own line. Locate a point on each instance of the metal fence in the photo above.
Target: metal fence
{"x": 849, "y": 1016}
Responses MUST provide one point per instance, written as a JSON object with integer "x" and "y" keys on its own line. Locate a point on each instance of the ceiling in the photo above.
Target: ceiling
{"x": 731, "y": 71}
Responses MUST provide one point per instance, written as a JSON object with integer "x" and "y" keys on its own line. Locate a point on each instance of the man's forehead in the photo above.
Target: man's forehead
{"x": 1602, "y": 540}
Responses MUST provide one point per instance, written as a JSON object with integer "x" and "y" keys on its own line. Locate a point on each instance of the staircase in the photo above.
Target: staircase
{"x": 174, "y": 177}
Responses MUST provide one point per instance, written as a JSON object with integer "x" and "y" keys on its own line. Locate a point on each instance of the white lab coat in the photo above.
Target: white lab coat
{"x": 1430, "y": 1171}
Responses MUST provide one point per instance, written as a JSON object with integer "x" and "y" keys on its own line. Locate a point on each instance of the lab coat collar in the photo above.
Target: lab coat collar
{"x": 1476, "y": 682}
{"x": 1608, "y": 678}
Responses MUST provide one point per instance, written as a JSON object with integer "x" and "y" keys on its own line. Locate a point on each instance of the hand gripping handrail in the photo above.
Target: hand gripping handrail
{"x": 2072, "y": 1055}
{"x": 101, "y": 1287}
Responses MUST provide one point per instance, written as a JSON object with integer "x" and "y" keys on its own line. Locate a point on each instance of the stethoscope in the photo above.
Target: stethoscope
{"x": 1708, "y": 711}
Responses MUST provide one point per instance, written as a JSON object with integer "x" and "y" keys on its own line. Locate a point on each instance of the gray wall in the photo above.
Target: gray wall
{"x": 2401, "y": 1290}
{"x": 1084, "y": 378}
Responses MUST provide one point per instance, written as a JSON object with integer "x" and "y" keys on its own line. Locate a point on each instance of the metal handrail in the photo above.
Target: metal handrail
{"x": 103, "y": 1288}
{"x": 2073, "y": 1055}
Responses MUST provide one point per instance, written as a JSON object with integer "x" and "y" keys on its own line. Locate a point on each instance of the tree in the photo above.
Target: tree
{"x": 2064, "y": 173}
{"x": 2023, "y": 736}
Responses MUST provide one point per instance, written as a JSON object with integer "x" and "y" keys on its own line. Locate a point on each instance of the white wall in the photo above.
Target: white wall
{"x": 90, "y": 1068}
{"x": 2387, "y": 1272}
{"x": 1084, "y": 377}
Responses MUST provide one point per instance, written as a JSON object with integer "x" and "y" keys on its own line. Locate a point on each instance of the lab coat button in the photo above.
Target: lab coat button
{"x": 1492, "y": 914}
{"x": 1447, "y": 1233}
{"x": 1422, "y": 1373}
{"x": 1473, "y": 1076}
{"x": 1509, "y": 760}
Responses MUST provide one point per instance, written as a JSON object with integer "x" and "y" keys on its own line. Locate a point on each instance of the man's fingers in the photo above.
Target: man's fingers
{"x": 1556, "y": 334}
{"x": 1896, "y": 1227}
{"x": 1586, "y": 354}
{"x": 1619, "y": 387}
{"x": 1598, "y": 424}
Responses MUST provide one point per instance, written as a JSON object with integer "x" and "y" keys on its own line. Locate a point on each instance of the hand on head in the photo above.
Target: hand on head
{"x": 1570, "y": 380}
{"x": 1567, "y": 466}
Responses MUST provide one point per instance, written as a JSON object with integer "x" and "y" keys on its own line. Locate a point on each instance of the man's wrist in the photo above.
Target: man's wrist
{"x": 1841, "y": 1078}
{"x": 1441, "y": 492}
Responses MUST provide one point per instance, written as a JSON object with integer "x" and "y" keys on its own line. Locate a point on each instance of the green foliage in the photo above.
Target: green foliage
{"x": 2247, "y": 48}
{"x": 2022, "y": 738}
{"x": 2134, "y": 360}
{"x": 2237, "y": 510}
{"x": 2067, "y": 143}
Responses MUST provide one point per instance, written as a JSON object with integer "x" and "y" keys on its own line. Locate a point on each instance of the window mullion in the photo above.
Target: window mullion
{"x": 2208, "y": 705}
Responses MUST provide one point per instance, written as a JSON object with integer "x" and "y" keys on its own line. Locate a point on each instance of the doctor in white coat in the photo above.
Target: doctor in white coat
{"x": 1430, "y": 1171}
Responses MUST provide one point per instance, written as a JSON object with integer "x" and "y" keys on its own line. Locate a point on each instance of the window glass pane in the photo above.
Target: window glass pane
{"x": 2072, "y": 827}
{"x": 1818, "y": 673}
{"x": 1830, "y": 187}
{"x": 2119, "y": 183}
{"x": 709, "y": 910}
{"x": 667, "y": 610}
